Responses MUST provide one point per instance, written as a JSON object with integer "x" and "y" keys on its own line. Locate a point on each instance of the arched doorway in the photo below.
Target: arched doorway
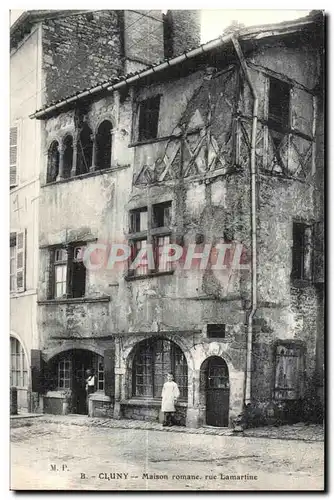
{"x": 216, "y": 387}
{"x": 66, "y": 372}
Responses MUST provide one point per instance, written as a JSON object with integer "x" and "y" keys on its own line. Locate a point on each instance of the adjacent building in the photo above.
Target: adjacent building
{"x": 216, "y": 154}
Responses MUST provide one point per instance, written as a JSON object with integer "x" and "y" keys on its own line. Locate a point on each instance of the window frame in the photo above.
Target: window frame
{"x": 151, "y": 235}
{"x": 145, "y": 115}
{"x": 305, "y": 253}
{"x": 151, "y": 348}
{"x": 69, "y": 262}
{"x": 279, "y": 125}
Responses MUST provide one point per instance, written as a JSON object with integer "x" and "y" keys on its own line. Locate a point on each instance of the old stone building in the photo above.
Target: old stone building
{"x": 51, "y": 53}
{"x": 219, "y": 145}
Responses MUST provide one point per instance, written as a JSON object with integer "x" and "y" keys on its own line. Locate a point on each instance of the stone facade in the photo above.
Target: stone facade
{"x": 199, "y": 164}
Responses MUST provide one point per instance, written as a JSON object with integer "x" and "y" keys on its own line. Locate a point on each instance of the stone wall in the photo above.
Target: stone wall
{"x": 79, "y": 51}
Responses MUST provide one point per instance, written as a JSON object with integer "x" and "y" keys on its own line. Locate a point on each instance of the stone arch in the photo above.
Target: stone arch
{"x": 68, "y": 346}
{"x": 104, "y": 117}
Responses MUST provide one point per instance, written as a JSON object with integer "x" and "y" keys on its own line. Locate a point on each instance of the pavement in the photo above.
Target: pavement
{"x": 78, "y": 453}
{"x": 298, "y": 431}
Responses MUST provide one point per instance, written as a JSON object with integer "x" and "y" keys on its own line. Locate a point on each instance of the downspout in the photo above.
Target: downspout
{"x": 253, "y": 190}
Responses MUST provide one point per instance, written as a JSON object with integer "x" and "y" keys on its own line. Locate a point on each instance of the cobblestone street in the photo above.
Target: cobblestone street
{"x": 97, "y": 454}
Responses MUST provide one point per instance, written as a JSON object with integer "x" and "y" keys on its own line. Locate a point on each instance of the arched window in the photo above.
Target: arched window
{"x": 53, "y": 162}
{"x": 18, "y": 364}
{"x": 103, "y": 145}
{"x": 155, "y": 358}
{"x": 68, "y": 156}
{"x": 85, "y": 150}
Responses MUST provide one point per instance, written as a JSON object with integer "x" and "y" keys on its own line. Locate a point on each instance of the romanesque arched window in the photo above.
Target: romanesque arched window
{"x": 85, "y": 150}
{"x": 103, "y": 145}
{"x": 53, "y": 162}
{"x": 154, "y": 358}
{"x": 68, "y": 156}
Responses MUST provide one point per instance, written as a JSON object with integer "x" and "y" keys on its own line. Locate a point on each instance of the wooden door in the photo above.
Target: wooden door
{"x": 217, "y": 393}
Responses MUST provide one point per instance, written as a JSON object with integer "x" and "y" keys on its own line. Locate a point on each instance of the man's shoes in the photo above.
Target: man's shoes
{"x": 164, "y": 424}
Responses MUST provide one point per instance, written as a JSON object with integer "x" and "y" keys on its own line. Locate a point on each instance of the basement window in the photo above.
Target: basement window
{"x": 149, "y": 118}
{"x": 68, "y": 272}
{"x": 301, "y": 251}
{"x": 215, "y": 331}
{"x": 279, "y": 104}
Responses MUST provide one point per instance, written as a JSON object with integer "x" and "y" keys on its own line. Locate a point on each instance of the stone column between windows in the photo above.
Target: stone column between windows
{"x": 75, "y": 155}
{"x": 92, "y": 168}
{"x": 61, "y": 150}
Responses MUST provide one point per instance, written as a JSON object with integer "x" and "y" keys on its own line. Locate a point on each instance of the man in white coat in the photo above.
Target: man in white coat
{"x": 170, "y": 394}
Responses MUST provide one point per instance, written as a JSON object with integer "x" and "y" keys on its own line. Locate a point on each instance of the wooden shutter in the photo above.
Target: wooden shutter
{"x": 13, "y": 145}
{"x": 20, "y": 260}
{"x": 36, "y": 370}
{"x": 109, "y": 372}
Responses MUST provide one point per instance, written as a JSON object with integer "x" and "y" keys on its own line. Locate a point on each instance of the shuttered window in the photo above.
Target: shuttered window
{"x": 289, "y": 374}
{"x": 17, "y": 261}
{"x": 13, "y": 156}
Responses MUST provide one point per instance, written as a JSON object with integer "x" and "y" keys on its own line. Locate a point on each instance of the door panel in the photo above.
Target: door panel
{"x": 217, "y": 393}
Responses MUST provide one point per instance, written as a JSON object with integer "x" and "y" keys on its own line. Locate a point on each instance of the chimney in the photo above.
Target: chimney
{"x": 143, "y": 34}
{"x": 182, "y": 31}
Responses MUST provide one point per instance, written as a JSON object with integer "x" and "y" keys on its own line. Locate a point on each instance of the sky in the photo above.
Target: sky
{"x": 214, "y": 21}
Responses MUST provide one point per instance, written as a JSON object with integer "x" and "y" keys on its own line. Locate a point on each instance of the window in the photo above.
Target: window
{"x": 279, "y": 104}
{"x": 103, "y": 145}
{"x": 100, "y": 373}
{"x": 149, "y": 118}
{"x": 289, "y": 372}
{"x": 138, "y": 220}
{"x": 53, "y": 162}
{"x": 85, "y": 150}
{"x": 216, "y": 331}
{"x": 162, "y": 215}
{"x": 68, "y": 273}
{"x": 153, "y": 360}
{"x": 13, "y": 156}
{"x": 150, "y": 233}
{"x": 18, "y": 364}
{"x": 64, "y": 374}
{"x": 301, "y": 251}
{"x": 68, "y": 156}
{"x": 17, "y": 261}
